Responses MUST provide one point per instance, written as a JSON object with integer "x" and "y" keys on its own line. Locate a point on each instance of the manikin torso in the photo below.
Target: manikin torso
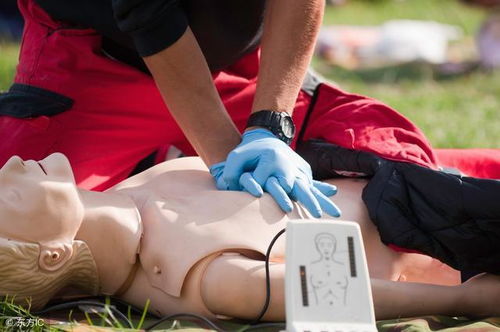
{"x": 185, "y": 223}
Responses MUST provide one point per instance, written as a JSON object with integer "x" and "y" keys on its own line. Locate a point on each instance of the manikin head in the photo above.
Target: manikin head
{"x": 40, "y": 214}
{"x": 326, "y": 244}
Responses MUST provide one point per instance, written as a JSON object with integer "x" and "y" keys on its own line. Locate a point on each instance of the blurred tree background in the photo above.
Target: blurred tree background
{"x": 455, "y": 111}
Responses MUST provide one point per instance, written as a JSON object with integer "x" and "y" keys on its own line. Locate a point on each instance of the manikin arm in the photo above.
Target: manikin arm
{"x": 243, "y": 281}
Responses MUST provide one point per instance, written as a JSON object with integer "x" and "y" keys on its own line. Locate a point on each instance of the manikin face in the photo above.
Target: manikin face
{"x": 326, "y": 246}
{"x": 39, "y": 201}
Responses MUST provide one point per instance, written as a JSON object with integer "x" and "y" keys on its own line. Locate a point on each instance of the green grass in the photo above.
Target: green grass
{"x": 16, "y": 318}
{"x": 8, "y": 61}
{"x": 12, "y": 317}
{"x": 459, "y": 112}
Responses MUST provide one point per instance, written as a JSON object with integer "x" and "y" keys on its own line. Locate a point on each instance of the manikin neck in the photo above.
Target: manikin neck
{"x": 112, "y": 229}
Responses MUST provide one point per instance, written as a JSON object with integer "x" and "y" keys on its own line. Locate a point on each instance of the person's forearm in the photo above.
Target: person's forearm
{"x": 184, "y": 80}
{"x": 290, "y": 31}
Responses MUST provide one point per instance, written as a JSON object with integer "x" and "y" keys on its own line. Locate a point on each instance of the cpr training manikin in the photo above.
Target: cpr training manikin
{"x": 169, "y": 236}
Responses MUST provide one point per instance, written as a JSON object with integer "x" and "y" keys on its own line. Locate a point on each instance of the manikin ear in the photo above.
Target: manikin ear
{"x": 54, "y": 256}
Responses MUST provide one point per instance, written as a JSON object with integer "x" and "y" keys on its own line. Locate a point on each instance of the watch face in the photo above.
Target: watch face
{"x": 288, "y": 127}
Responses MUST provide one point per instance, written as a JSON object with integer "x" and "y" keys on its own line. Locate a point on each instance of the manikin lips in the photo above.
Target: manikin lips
{"x": 43, "y": 169}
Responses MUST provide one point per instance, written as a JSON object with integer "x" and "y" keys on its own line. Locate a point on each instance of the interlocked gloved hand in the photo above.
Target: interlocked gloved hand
{"x": 216, "y": 170}
{"x": 262, "y": 160}
{"x": 247, "y": 182}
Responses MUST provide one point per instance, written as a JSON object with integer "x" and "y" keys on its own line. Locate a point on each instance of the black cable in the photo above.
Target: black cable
{"x": 77, "y": 304}
{"x": 169, "y": 317}
{"x": 112, "y": 301}
{"x": 265, "y": 325}
{"x": 268, "y": 278}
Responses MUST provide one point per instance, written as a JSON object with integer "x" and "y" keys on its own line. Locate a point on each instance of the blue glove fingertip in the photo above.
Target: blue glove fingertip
{"x": 279, "y": 195}
{"x": 285, "y": 204}
{"x": 317, "y": 213}
{"x": 326, "y": 204}
{"x": 331, "y": 192}
{"x": 332, "y": 211}
{"x": 248, "y": 183}
{"x": 306, "y": 197}
{"x": 326, "y": 188}
{"x": 287, "y": 207}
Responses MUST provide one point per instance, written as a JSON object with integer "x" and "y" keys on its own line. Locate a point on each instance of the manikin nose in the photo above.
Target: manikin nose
{"x": 15, "y": 163}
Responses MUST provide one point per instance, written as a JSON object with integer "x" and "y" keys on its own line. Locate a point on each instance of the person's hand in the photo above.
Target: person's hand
{"x": 246, "y": 181}
{"x": 261, "y": 159}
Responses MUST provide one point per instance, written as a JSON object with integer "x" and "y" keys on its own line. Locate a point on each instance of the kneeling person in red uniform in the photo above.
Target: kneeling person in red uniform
{"x": 110, "y": 82}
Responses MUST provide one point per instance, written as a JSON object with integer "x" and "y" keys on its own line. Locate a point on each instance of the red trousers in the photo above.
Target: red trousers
{"x": 113, "y": 115}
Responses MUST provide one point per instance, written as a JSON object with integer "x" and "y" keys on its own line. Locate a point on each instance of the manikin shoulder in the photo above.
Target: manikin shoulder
{"x": 189, "y": 171}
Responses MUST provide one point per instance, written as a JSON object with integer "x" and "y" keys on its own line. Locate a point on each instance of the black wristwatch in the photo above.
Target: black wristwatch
{"x": 279, "y": 123}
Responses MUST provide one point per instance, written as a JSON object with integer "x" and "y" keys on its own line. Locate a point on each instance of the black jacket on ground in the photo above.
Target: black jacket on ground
{"x": 453, "y": 218}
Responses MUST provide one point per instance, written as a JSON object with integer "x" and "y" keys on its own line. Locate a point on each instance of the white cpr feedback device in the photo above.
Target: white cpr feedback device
{"x": 327, "y": 285}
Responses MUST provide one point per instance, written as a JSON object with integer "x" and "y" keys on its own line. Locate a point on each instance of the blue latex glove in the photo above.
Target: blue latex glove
{"x": 246, "y": 182}
{"x": 263, "y": 159}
